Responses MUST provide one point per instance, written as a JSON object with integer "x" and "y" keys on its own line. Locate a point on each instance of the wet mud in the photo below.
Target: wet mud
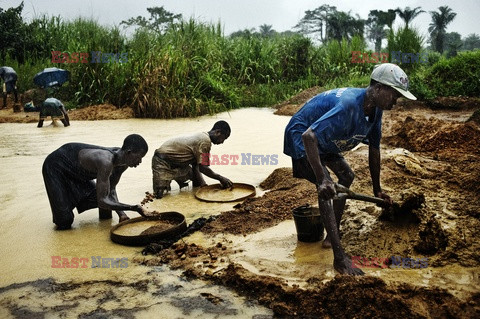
{"x": 149, "y": 297}
{"x": 430, "y": 167}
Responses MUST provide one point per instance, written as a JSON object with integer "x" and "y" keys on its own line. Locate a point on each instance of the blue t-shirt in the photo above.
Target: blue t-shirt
{"x": 338, "y": 121}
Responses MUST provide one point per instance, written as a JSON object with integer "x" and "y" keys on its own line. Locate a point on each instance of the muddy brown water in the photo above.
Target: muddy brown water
{"x": 29, "y": 241}
{"x": 33, "y": 283}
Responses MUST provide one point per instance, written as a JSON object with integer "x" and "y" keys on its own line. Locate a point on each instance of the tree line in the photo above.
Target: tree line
{"x": 179, "y": 67}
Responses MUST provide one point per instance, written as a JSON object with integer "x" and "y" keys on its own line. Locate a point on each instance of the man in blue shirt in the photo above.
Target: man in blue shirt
{"x": 331, "y": 123}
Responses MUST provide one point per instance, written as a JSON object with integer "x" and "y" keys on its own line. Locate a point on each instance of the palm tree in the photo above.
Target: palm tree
{"x": 266, "y": 30}
{"x": 438, "y": 26}
{"x": 472, "y": 41}
{"x": 377, "y": 19}
{"x": 317, "y": 22}
{"x": 408, "y": 14}
{"x": 342, "y": 25}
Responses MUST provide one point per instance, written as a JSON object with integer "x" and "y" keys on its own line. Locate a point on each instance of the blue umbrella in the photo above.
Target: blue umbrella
{"x": 50, "y": 77}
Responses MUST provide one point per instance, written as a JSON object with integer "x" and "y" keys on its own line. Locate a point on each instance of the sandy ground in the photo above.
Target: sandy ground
{"x": 430, "y": 152}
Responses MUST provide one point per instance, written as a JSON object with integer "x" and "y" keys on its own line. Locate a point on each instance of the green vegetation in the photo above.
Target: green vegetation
{"x": 459, "y": 75}
{"x": 179, "y": 68}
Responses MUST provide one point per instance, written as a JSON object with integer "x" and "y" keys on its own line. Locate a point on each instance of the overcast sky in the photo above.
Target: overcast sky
{"x": 237, "y": 15}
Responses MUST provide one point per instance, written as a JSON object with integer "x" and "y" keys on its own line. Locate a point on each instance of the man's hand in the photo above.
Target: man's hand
{"x": 122, "y": 216}
{"x": 226, "y": 183}
{"x": 345, "y": 266}
{"x": 387, "y": 199}
{"x": 142, "y": 211}
{"x": 326, "y": 190}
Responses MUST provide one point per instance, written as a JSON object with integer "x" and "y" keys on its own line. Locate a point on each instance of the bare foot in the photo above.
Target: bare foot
{"x": 64, "y": 227}
{"x": 123, "y": 218}
{"x": 182, "y": 184}
{"x": 345, "y": 267}
{"x": 326, "y": 243}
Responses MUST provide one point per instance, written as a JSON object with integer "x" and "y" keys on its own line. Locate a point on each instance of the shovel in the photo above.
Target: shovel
{"x": 344, "y": 192}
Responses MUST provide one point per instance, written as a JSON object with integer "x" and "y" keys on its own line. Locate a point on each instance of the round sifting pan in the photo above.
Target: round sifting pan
{"x": 215, "y": 193}
{"x": 141, "y": 231}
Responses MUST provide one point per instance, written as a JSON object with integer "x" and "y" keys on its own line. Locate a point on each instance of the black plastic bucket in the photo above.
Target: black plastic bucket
{"x": 308, "y": 223}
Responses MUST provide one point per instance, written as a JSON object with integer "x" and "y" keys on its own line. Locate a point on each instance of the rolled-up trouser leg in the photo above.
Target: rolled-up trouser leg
{"x": 162, "y": 176}
{"x": 62, "y": 212}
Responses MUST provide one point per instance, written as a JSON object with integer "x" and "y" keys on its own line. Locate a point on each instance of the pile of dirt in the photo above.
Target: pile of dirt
{"x": 454, "y": 102}
{"x": 436, "y": 135}
{"x": 101, "y": 112}
{"x": 292, "y": 105}
{"x": 254, "y": 214}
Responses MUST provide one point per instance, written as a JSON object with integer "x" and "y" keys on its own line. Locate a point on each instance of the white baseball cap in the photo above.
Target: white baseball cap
{"x": 392, "y": 75}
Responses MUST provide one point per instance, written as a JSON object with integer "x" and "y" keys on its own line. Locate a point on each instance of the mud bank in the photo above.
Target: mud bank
{"x": 89, "y": 113}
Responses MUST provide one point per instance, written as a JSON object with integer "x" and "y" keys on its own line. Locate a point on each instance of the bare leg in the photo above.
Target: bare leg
{"x": 160, "y": 191}
{"x": 197, "y": 177}
{"x": 345, "y": 177}
{"x": 342, "y": 263}
{"x": 182, "y": 184}
{"x": 104, "y": 213}
{"x": 122, "y": 216}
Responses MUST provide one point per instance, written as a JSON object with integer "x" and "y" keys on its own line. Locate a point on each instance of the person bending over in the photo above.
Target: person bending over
{"x": 85, "y": 176}
{"x": 9, "y": 77}
{"x": 331, "y": 123}
{"x": 185, "y": 158}
{"x": 55, "y": 109}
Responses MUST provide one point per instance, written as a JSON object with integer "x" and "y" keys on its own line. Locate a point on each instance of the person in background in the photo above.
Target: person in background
{"x": 9, "y": 78}
{"x": 85, "y": 176}
{"x": 55, "y": 109}
{"x": 334, "y": 122}
{"x": 186, "y": 158}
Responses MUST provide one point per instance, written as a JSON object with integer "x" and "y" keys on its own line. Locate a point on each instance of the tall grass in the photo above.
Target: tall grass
{"x": 190, "y": 69}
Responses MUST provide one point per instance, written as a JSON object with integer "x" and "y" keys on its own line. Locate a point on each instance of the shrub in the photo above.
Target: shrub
{"x": 459, "y": 75}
